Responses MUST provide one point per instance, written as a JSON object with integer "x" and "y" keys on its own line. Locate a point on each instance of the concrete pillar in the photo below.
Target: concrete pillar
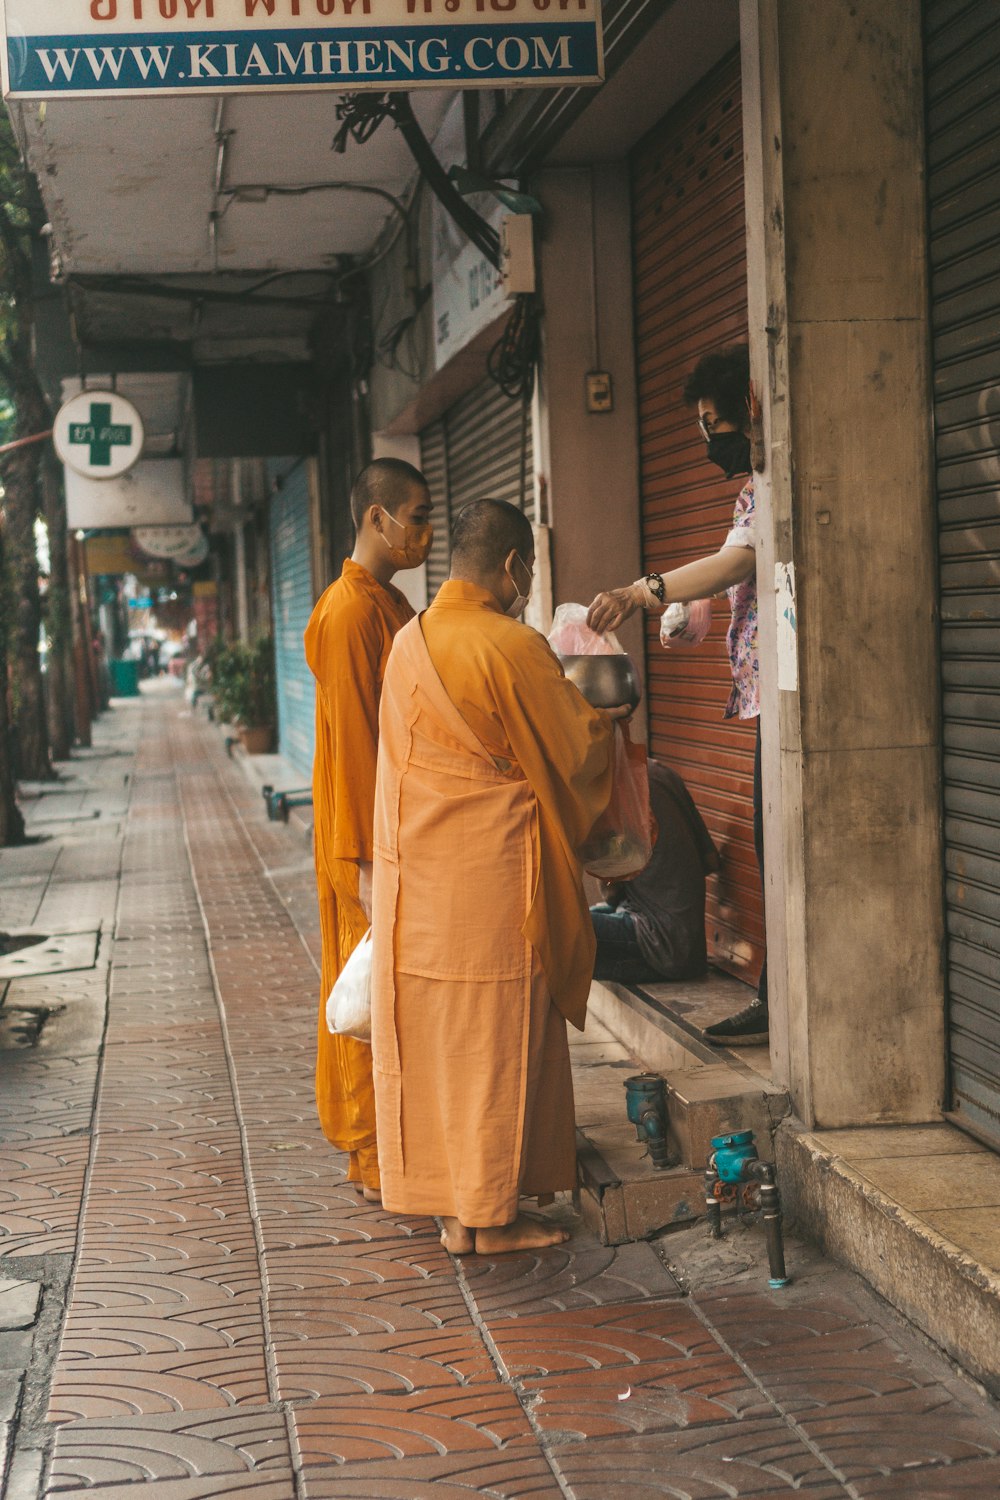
{"x": 839, "y": 344}
{"x": 587, "y": 461}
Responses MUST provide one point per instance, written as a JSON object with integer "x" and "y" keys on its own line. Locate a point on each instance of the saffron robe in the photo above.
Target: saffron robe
{"x": 347, "y": 641}
{"x": 492, "y": 771}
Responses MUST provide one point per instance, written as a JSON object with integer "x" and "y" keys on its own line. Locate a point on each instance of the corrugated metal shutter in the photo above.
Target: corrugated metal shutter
{"x": 291, "y": 583}
{"x": 963, "y": 144}
{"x": 433, "y": 462}
{"x": 689, "y": 246}
{"x": 475, "y": 451}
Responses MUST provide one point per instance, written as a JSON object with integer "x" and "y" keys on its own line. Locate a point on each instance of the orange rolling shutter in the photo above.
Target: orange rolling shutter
{"x": 689, "y": 245}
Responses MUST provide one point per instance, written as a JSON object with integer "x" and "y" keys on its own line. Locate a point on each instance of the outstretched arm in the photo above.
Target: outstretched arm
{"x": 697, "y": 580}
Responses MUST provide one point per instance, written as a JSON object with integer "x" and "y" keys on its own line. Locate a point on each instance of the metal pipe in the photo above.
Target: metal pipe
{"x": 770, "y": 1207}
{"x": 713, "y": 1208}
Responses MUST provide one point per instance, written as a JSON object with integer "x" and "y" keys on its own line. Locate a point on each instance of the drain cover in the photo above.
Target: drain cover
{"x": 56, "y": 954}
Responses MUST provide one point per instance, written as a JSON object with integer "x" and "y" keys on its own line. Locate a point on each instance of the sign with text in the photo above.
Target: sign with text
{"x": 87, "y": 48}
{"x": 98, "y": 434}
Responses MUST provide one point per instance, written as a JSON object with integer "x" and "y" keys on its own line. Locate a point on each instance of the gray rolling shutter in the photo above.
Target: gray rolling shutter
{"x": 475, "y": 451}
{"x": 291, "y": 576}
{"x": 963, "y": 144}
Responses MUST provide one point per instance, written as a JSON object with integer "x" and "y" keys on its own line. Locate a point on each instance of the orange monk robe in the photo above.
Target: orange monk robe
{"x": 347, "y": 641}
{"x": 492, "y": 772}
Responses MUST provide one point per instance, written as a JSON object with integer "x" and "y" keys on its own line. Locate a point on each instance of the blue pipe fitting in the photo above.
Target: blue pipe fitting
{"x": 646, "y": 1106}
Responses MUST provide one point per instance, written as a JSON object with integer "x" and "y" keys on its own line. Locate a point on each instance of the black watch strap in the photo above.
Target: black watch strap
{"x": 654, "y": 582}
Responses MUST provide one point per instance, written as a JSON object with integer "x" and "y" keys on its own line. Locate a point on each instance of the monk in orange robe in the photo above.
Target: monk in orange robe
{"x": 492, "y": 771}
{"x": 347, "y": 646}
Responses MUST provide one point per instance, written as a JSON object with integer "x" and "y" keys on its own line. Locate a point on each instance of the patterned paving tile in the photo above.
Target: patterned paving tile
{"x": 974, "y": 1479}
{"x": 137, "y": 1385}
{"x": 850, "y": 1367}
{"x": 581, "y": 1273}
{"x": 501, "y": 1476}
{"x": 409, "y": 1360}
{"x": 292, "y": 1316}
{"x": 759, "y": 1459}
{"x": 205, "y": 1282}
{"x": 907, "y": 1428}
{"x": 352, "y": 1225}
{"x": 158, "y": 1328}
{"x": 600, "y": 1338}
{"x": 176, "y": 1446}
{"x": 272, "y": 1486}
{"x": 350, "y": 1429}
{"x": 200, "y": 1148}
{"x": 657, "y": 1395}
{"x": 373, "y": 1264}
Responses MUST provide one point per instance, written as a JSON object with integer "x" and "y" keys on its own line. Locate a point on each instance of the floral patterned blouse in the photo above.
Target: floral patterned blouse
{"x": 744, "y": 700}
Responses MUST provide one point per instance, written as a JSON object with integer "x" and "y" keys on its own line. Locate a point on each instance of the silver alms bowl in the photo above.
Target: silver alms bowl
{"x": 605, "y": 681}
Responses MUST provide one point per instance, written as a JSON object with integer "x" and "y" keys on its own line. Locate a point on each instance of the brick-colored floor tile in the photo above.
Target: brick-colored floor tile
{"x": 885, "y": 1434}
{"x": 175, "y": 1446}
{"x": 136, "y": 1385}
{"x": 325, "y": 1269}
{"x": 600, "y": 1338}
{"x": 270, "y": 1486}
{"x": 206, "y": 1283}
{"x": 418, "y": 1424}
{"x": 759, "y": 1459}
{"x": 654, "y": 1396}
{"x": 581, "y": 1273}
{"x": 410, "y": 1360}
{"x": 502, "y": 1476}
{"x": 973, "y": 1479}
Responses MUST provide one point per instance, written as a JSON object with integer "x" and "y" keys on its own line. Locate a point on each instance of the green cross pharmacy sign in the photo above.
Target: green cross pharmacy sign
{"x": 98, "y": 434}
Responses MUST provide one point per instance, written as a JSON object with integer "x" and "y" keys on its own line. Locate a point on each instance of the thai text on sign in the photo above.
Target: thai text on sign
{"x": 86, "y": 48}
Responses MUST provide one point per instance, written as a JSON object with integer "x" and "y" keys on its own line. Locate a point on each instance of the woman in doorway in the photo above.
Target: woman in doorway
{"x": 719, "y": 386}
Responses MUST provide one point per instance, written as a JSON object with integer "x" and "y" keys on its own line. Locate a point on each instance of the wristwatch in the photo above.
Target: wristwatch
{"x": 654, "y": 582}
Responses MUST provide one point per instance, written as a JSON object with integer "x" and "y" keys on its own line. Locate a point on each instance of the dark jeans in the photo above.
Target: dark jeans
{"x": 618, "y": 955}
{"x": 758, "y": 843}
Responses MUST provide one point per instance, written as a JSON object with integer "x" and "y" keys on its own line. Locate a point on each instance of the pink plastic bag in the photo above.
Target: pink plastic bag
{"x": 621, "y": 841}
{"x": 572, "y": 636}
{"x": 676, "y": 632}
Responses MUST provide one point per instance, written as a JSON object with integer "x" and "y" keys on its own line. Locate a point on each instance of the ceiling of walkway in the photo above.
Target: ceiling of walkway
{"x": 197, "y": 192}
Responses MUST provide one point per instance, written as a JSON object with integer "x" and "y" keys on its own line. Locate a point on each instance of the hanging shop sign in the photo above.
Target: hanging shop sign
{"x": 98, "y": 434}
{"x": 87, "y": 48}
{"x": 150, "y": 494}
{"x": 185, "y": 545}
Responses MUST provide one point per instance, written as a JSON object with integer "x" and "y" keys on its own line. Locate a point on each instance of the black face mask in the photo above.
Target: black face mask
{"x": 731, "y": 452}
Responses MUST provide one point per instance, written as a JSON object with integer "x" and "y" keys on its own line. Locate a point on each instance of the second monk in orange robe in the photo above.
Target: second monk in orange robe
{"x": 492, "y": 771}
{"x": 347, "y": 642}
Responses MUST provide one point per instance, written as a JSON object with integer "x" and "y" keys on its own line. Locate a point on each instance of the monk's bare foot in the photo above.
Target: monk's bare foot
{"x": 455, "y": 1238}
{"x": 372, "y": 1195}
{"x": 524, "y": 1234}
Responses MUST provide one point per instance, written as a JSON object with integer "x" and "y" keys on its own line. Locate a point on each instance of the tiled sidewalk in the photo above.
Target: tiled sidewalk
{"x": 241, "y": 1323}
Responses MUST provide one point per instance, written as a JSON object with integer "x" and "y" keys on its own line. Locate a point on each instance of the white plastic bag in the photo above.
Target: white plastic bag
{"x": 686, "y": 624}
{"x": 572, "y": 636}
{"x": 349, "y": 1007}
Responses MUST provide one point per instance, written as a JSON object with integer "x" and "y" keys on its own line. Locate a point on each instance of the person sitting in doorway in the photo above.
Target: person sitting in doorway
{"x": 653, "y": 927}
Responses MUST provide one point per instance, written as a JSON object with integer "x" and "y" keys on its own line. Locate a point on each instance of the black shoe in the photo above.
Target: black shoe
{"x": 748, "y": 1028}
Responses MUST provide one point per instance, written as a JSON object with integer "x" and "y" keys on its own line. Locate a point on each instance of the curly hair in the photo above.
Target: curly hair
{"x": 723, "y": 378}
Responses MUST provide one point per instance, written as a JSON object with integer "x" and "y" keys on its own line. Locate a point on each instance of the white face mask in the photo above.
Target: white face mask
{"x": 519, "y": 603}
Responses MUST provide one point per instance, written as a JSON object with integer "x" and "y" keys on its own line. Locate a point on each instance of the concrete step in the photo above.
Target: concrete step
{"x": 909, "y": 1208}
{"x": 622, "y": 1195}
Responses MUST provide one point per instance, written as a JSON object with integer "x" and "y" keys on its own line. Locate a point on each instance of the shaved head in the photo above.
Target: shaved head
{"x": 388, "y": 482}
{"x": 485, "y": 533}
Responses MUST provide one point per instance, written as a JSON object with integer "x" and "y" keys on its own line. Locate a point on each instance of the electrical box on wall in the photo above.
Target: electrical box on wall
{"x": 517, "y": 254}
{"x": 600, "y": 394}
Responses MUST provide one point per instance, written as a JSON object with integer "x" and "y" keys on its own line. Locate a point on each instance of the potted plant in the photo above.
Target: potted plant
{"x": 244, "y": 684}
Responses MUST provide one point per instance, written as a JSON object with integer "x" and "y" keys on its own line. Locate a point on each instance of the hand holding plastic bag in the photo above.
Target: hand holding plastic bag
{"x": 349, "y": 1006}
{"x": 572, "y": 636}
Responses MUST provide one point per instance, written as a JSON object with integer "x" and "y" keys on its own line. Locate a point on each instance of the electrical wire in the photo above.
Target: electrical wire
{"x": 513, "y": 358}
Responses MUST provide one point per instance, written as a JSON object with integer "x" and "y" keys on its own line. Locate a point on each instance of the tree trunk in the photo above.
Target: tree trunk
{"x": 11, "y": 822}
{"x": 20, "y": 472}
{"x": 58, "y": 626}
